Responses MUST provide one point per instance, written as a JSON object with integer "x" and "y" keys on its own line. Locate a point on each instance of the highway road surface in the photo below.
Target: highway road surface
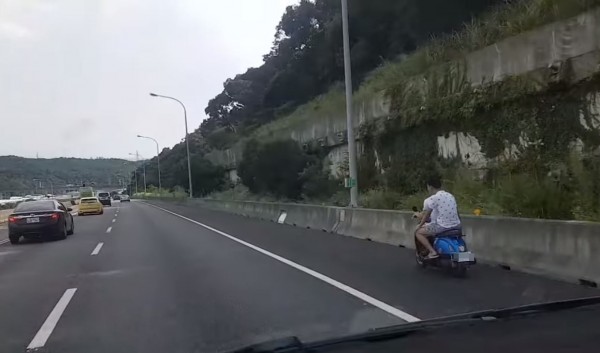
{"x": 172, "y": 278}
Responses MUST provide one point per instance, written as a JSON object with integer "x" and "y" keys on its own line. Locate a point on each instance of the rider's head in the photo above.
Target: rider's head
{"x": 434, "y": 183}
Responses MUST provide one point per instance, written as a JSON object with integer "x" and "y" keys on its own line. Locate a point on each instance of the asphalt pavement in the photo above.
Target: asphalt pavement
{"x": 174, "y": 278}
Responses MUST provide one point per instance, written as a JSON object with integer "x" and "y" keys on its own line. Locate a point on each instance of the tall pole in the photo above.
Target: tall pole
{"x": 137, "y": 158}
{"x": 144, "y": 168}
{"x": 135, "y": 170}
{"x": 157, "y": 159}
{"x": 187, "y": 139}
{"x": 349, "y": 114}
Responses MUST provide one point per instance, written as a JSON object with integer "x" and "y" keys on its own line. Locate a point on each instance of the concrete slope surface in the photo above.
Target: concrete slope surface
{"x": 170, "y": 278}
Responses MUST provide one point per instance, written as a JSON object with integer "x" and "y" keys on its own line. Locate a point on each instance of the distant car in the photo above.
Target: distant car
{"x": 116, "y": 197}
{"x": 90, "y": 205}
{"x": 125, "y": 198}
{"x": 104, "y": 198}
{"x": 38, "y": 219}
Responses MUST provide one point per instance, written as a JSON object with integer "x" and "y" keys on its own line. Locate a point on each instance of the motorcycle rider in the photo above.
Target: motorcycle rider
{"x": 440, "y": 214}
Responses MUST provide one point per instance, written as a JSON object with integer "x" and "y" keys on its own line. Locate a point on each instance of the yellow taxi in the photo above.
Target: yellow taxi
{"x": 88, "y": 205}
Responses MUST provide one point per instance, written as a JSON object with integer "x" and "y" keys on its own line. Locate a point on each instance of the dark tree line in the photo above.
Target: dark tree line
{"x": 206, "y": 177}
{"x": 307, "y": 54}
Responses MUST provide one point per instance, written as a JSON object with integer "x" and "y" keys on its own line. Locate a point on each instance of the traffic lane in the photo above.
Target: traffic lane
{"x": 389, "y": 273}
{"x": 33, "y": 276}
{"x": 163, "y": 284}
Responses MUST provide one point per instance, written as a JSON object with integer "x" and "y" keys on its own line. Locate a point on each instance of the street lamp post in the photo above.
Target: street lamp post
{"x": 157, "y": 159}
{"x": 129, "y": 183}
{"x": 353, "y": 182}
{"x": 187, "y": 139}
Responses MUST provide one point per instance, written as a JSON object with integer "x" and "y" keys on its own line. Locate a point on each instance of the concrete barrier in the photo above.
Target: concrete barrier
{"x": 560, "y": 249}
{"x": 384, "y": 226}
{"x": 264, "y": 210}
{"x": 311, "y": 216}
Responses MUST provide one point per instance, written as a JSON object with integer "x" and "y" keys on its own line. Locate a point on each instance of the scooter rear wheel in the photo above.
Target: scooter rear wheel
{"x": 460, "y": 271}
{"x": 420, "y": 260}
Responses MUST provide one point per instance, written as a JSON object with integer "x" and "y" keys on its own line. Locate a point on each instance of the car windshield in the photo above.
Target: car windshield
{"x": 236, "y": 171}
{"x": 34, "y": 206}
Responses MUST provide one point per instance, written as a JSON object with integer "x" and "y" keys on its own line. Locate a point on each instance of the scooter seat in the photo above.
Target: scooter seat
{"x": 451, "y": 233}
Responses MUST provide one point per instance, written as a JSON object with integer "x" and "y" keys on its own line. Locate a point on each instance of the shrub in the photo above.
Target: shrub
{"x": 206, "y": 177}
{"x": 317, "y": 185}
{"x": 273, "y": 167}
{"x": 381, "y": 199}
{"x": 523, "y": 196}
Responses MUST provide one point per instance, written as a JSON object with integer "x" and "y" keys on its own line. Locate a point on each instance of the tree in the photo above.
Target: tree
{"x": 306, "y": 58}
{"x": 206, "y": 177}
{"x": 274, "y": 167}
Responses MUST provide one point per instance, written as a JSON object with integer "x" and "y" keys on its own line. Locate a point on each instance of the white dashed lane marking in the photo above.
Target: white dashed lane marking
{"x": 97, "y": 249}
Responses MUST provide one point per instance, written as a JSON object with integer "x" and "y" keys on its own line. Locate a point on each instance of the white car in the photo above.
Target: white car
{"x": 124, "y": 198}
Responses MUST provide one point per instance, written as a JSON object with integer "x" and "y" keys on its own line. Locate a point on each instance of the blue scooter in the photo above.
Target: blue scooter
{"x": 454, "y": 256}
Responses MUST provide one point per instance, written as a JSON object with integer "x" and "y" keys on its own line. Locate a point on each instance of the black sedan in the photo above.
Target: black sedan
{"x": 39, "y": 219}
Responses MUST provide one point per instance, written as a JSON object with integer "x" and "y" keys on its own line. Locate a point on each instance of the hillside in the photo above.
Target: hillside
{"x": 518, "y": 136}
{"x": 17, "y": 174}
{"x": 306, "y": 61}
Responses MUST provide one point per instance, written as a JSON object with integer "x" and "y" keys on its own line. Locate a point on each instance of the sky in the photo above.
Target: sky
{"x": 75, "y": 75}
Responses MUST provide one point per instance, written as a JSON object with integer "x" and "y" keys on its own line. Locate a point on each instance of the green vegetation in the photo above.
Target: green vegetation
{"x": 330, "y": 105}
{"x": 304, "y": 61}
{"x": 538, "y": 135}
{"x": 542, "y": 159}
{"x": 500, "y": 23}
{"x": 434, "y": 57}
{"x": 176, "y": 194}
{"x": 281, "y": 168}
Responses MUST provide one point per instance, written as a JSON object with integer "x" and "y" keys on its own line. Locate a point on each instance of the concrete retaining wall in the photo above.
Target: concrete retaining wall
{"x": 569, "y": 46}
{"x": 561, "y": 249}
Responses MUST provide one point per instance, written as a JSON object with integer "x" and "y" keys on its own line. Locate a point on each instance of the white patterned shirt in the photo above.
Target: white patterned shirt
{"x": 444, "y": 211}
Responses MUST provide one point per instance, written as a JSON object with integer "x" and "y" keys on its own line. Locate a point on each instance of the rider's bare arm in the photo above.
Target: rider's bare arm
{"x": 424, "y": 216}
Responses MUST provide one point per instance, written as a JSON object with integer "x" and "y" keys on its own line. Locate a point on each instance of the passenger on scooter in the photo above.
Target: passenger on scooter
{"x": 440, "y": 214}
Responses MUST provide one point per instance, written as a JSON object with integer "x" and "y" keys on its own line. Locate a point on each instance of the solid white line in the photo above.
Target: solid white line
{"x": 46, "y": 330}
{"x": 114, "y": 220}
{"x": 360, "y": 295}
{"x": 97, "y": 249}
{"x": 108, "y": 230}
